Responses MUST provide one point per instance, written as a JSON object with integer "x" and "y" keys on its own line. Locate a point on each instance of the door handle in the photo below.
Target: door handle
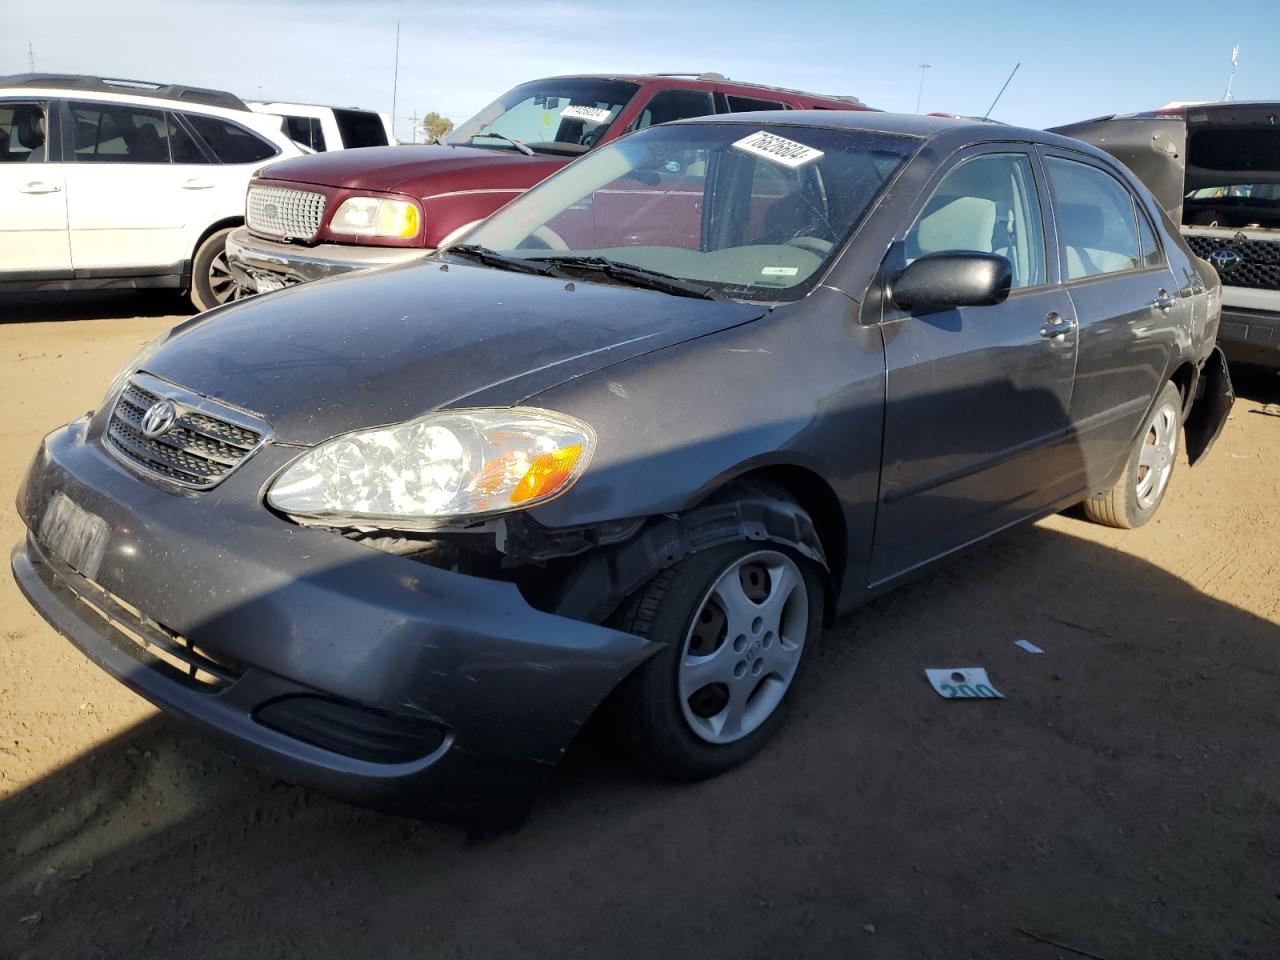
{"x": 39, "y": 186}
{"x": 1163, "y": 301}
{"x": 1056, "y": 327}
{"x": 195, "y": 184}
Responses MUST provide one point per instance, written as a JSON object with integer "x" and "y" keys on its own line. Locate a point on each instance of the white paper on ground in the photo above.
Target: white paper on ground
{"x": 962, "y": 683}
{"x": 1028, "y": 646}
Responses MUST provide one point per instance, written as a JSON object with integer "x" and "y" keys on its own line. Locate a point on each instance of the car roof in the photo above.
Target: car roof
{"x": 708, "y": 79}
{"x": 81, "y": 83}
{"x": 948, "y": 132}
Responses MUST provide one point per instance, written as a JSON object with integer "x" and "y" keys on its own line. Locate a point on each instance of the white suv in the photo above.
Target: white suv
{"x": 110, "y": 183}
{"x": 322, "y": 128}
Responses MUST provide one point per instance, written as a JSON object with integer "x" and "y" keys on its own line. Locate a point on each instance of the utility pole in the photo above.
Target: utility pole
{"x": 1235, "y": 62}
{"x": 395, "y": 81}
{"x": 920, "y": 92}
{"x": 31, "y": 59}
{"x": 414, "y": 120}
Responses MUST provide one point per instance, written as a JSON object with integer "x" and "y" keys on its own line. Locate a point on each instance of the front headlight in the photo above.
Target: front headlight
{"x": 448, "y": 466}
{"x": 377, "y": 217}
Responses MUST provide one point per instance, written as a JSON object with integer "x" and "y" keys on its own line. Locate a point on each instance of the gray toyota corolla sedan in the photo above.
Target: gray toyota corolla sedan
{"x": 400, "y": 535}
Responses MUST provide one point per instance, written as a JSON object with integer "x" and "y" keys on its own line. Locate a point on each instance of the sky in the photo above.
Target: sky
{"x": 1078, "y": 60}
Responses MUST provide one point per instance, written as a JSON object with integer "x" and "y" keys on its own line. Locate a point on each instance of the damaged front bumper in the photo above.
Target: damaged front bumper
{"x": 261, "y": 266}
{"x": 1212, "y": 398}
{"x": 368, "y": 676}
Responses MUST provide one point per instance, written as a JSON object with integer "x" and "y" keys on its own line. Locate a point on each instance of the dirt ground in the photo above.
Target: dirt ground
{"x": 1124, "y": 799}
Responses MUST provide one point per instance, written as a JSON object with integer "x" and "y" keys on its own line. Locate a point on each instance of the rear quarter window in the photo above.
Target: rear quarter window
{"x": 230, "y": 142}
{"x": 360, "y": 128}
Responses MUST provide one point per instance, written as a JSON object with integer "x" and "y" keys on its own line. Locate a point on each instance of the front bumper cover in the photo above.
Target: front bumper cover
{"x": 254, "y": 260}
{"x": 307, "y": 613}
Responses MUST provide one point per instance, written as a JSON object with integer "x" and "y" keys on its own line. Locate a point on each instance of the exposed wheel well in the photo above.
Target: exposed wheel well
{"x": 214, "y": 228}
{"x": 815, "y": 496}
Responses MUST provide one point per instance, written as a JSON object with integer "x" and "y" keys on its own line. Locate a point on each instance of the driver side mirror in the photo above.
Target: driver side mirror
{"x": 939, "y": 281}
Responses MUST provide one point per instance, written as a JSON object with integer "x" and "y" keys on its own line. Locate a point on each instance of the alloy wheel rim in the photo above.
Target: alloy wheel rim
{"x": 222, "y": 281}
{"x": 743, "y": 647}
{"x": 1156, "y": 456}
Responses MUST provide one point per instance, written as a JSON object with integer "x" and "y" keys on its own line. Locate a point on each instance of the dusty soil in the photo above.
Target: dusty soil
{"x": 1124, "y": 799}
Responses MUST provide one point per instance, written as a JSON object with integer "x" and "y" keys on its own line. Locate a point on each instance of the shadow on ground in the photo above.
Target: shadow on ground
{"x": 1124, "y": 799}
{"x": 96, "y": 305}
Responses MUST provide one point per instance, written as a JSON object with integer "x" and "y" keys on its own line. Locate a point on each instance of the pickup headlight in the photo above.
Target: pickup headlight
{"x": 377, "y": 217}
{"x": 443, "y": 467}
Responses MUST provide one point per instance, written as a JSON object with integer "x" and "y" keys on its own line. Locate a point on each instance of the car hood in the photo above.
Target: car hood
{"x": 414, "y": 169}
{"x": 388, "y": 345}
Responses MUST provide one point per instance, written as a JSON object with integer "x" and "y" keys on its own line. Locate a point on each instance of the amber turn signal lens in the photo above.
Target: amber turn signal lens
{"x": 546, "y": 474}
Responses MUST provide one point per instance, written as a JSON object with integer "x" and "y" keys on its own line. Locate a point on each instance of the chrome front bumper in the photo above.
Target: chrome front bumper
{"x": 262, "y": 265}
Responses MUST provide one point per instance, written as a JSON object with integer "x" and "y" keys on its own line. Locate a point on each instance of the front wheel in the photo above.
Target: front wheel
{"x": 737, "y": 621}
{"x": 1141, "y": 488}
{"x": 212, "y": 283}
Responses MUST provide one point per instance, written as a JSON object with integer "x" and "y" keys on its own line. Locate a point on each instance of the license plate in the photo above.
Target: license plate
{"x": 76, "y": 536}
{"x": 265, "y": 284}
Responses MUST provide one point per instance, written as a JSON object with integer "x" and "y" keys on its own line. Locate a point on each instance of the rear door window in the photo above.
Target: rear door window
{"x": 747, "y": 104}
{"x": 23, "y": 132}
{"x": 230, "y": 142}
{"x": 360, "y": 128}
{"x": 117, "y": 133}
{"x": 306, "y": 131}
{"x": 1097, "y": 224}
{"x": 668, "y": 105}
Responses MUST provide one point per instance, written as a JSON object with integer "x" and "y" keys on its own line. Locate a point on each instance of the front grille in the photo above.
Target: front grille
{"x": 205, "y": 443}
{"x": 280, "y": 212}
{"x": 1259, "y": 265}
{"x": 154, "y": 644}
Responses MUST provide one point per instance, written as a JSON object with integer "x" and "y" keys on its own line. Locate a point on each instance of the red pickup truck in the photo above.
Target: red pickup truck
{"x": 329, "y": 213}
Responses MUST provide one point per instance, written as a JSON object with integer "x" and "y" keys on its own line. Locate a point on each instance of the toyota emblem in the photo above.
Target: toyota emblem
{"x": 1225, "y": 259}
{"x": 158, "y": 419}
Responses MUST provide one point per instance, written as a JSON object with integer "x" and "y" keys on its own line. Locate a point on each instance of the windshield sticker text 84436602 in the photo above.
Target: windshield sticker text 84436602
{"x": 589, "y": 114}
{"x": 780, "y": 150}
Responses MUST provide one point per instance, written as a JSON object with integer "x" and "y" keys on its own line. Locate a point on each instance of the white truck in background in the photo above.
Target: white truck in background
{"x": 322, "y": 128}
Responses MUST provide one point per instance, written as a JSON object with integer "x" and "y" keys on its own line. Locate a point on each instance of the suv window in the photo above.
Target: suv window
{"x": 230, "y": 142}
{"x": 306, "y": 131}
{"x": 668, "y": 105}
{"x": 118, "y": 133}
{"x": 564, "y": 116}
{"x": 1097, "y": 226}
{"x": 987, "y": 204}
{"x": 22, "y": 132}
{"x": 747, "y": 104}
{"x": 360, "y": 128}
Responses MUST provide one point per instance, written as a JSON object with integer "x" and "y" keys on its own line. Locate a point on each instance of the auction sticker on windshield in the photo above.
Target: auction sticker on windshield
{"x": 778, "y": 149}
{"x": 589, "y": 114}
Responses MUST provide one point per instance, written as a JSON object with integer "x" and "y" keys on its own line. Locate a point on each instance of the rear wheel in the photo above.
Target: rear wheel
{"x": 212, "y": 283}
{"x": 1141, "y": 488}
{"x": 738, "y": 621}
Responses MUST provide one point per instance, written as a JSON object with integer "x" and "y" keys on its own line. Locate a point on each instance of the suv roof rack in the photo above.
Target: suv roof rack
{"x": 136, "y": 88}
{"x": 760, "y": 86}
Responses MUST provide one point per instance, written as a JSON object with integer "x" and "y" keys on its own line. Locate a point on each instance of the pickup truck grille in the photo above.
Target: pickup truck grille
{"x": 204, "y": 444}
{"x": 1259, "y": 264}
{"x": 280, "y": 212}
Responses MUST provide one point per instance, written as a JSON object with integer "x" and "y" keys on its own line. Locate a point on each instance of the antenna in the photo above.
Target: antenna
{"x": 920, "y": 92}
{"x": 1002, "y": 90}
{"x": 395, "y": 81}
{"x": 1235, "y": 62}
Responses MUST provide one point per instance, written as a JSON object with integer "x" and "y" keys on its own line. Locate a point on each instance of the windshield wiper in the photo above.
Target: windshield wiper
{"x": 491, "y": 258}
{"x": 634, "y": 275}
{"x": 522, "y": 147}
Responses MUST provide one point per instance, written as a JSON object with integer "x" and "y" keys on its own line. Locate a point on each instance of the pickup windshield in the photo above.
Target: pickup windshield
{"x": 565, "y": 117}
{"x": 743, "y": 210}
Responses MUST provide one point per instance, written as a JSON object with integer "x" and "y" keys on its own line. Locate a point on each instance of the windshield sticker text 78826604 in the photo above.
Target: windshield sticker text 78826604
{"x": 778, "y": 149}
{"x": 589, "y": 114}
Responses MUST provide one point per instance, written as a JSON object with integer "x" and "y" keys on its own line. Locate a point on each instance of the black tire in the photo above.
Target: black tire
{"x": 652, "y": 714}
{"x": 211, "y": 282}
{"x": 1123, "y": 505}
